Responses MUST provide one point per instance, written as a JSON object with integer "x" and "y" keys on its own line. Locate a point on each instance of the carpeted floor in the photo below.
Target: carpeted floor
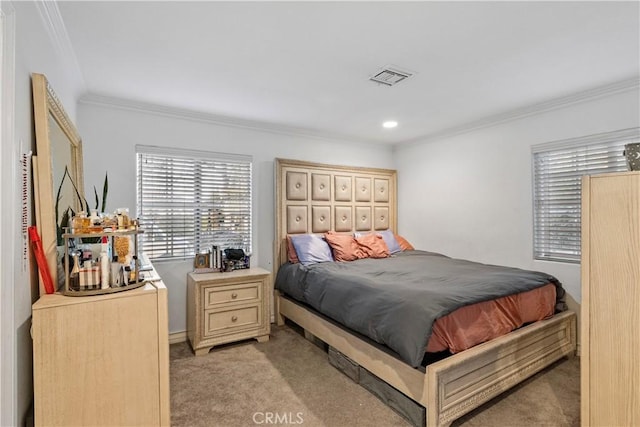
{"x": 288, "y": 381}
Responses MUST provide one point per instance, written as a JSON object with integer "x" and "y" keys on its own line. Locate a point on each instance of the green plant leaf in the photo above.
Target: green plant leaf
{"x": 64, "y": 222}
{"x": 105, "y": 189}
{"x": 80, "y": 198}
{"x": 84, "y": 204}
{"x": 58, "y": 196}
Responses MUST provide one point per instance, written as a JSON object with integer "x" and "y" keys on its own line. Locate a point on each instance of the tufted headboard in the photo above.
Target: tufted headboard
{"x": 316, "y": 198}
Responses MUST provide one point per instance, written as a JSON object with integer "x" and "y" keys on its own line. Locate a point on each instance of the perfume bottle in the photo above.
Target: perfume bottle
{"x": 81, "y": 223}
{"x": 74, "y": 279}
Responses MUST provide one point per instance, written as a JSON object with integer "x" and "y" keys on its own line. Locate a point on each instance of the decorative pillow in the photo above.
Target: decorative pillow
{"x": 404, "y": 244}
{"x": 291, "y": 252}
{"x": 373, "y": 245}
{"x": 311, "y": 249}
{"x": 344, "y": 246}
{"x": 390, "y": 240}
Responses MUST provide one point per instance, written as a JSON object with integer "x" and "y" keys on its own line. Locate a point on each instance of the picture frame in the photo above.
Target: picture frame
{"x": 202, "y": 261}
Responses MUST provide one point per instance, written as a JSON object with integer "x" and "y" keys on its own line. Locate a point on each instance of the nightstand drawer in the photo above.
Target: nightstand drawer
{"x": 246, "y": 292}
{"x": 217, "y": 322}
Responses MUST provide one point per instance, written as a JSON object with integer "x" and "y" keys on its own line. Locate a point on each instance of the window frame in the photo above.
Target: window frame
{"x": 196, "y": 156}
{"x": 619, "y": 137}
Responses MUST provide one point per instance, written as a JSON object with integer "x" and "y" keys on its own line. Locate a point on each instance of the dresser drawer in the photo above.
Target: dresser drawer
{"x": 223, "y": 321}
{"x": 245, "y": 292}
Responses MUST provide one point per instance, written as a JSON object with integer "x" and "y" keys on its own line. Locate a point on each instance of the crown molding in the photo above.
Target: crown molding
{"x": 628, "y": 135}
{"x": 57, "y": 31}
{"x": 530, "y": 110}
{"x": 185, "y": 114}
{"x": 493, "y": 120}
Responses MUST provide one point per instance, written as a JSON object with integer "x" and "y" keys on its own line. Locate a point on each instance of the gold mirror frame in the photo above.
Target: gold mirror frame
{"x": 54, "y": 133}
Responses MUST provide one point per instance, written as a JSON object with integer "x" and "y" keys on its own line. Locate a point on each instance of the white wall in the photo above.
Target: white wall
{"x": 109, "y": 137}
{"x": 34, "y": 52}
{"x": 470, "y": 196}
{"x": 467, "y": 196}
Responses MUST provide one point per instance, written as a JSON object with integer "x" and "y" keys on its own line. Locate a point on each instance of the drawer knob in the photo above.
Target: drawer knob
{"x": 234, "y": 318}
{"x": 234, "y": 295}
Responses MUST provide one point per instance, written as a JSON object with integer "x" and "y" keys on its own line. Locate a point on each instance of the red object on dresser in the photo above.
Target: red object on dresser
{"x": 36, "y": 245}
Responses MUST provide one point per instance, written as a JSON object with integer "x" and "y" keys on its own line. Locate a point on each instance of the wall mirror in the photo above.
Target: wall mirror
{"x": 58, "y": 147}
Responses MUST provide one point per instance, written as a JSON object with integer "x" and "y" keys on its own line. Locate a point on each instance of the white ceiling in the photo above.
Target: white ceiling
{"x": 305, "y": 65}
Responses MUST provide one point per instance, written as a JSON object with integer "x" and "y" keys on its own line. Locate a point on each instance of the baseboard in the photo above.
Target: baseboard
{"x": 177, "y": 337}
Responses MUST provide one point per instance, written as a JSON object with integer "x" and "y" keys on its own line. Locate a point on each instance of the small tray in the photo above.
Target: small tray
{"x": 111, "y": 235}
{"x": 88, "y": 292}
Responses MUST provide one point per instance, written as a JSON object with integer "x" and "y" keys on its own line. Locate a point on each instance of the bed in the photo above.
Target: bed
{"x": 316, "y": 198}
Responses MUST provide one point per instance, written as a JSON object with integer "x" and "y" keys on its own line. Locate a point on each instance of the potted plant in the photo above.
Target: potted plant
{"x": 69, "y": 213}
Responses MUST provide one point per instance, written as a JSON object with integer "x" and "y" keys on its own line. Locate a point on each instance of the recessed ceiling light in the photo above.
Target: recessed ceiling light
{"x": 390, "y": 124}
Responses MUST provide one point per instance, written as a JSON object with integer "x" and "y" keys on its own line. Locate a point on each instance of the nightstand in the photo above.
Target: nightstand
{"x": 227, "y": 307}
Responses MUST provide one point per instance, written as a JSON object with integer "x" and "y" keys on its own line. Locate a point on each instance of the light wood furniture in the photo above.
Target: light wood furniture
{"x": 227, "y": 307}
{"x": 363, "y": 199}
{"x": 102, "y": 360}
{"x": 610, "y": 365}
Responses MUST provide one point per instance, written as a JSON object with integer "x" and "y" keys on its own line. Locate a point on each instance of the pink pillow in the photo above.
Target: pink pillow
{"x": 344, "y": 246}
{"x": 373, "y": 245}
{"x": 404, "y": 244}
{"x": 291, "y": 252}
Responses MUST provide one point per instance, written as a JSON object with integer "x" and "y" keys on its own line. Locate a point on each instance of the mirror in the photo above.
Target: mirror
{"x": 58, "y": 147}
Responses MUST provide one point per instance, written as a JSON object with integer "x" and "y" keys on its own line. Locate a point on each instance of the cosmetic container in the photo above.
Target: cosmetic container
{"x": 104, "y": 270}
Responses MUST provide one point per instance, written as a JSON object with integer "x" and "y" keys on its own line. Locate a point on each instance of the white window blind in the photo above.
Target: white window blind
{"x": 557, "y": 171}
{"x": 188, "y": 201}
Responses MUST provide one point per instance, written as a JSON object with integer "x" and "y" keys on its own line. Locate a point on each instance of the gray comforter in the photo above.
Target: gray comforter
{"x": 396, "y": 300}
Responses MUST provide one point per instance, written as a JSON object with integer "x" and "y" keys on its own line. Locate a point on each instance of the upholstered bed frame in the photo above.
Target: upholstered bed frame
{"x": 315, "y": 198}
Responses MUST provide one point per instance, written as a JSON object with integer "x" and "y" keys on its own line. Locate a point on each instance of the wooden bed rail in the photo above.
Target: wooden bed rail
{"x": 460, "y": 383}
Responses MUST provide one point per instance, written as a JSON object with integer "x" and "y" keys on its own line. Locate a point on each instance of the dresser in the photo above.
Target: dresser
{"x": 227, "y": 307}
{"x": 102, "y": 360}
{"x": 610, "y": 359}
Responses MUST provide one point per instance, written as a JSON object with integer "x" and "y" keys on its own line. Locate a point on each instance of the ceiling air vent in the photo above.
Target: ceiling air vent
{"x": 390, "y": 76}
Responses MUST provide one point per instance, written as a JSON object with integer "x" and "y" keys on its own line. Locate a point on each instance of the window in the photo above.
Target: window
{"x": 188, "y": 201}
{"x": 557, "y": 171}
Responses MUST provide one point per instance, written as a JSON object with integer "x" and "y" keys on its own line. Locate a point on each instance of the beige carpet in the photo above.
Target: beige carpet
{"x": 288, "y": 381}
